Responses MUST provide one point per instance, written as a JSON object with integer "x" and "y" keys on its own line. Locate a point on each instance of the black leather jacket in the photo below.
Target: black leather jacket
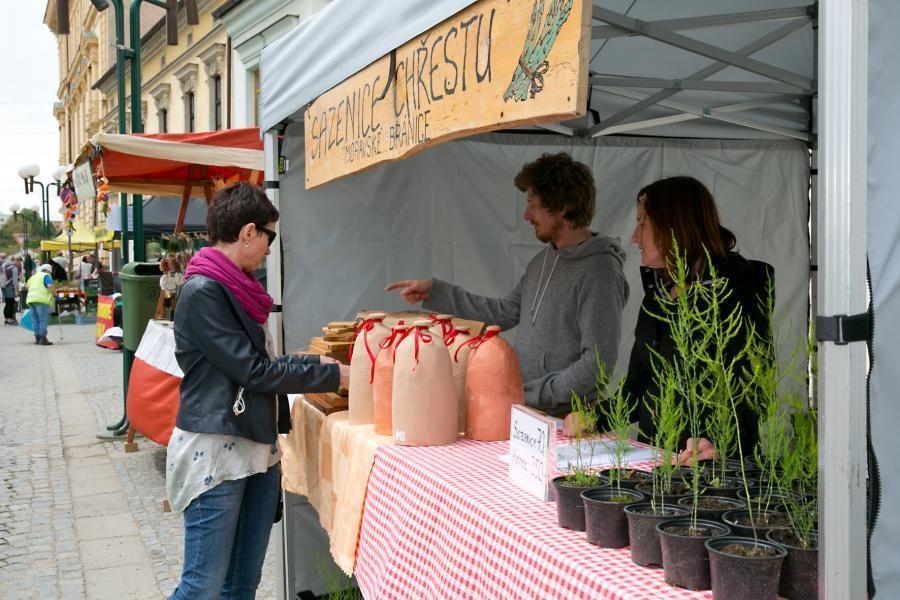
{"x": 748, "y": 281}
{"x": 220, "y": 350}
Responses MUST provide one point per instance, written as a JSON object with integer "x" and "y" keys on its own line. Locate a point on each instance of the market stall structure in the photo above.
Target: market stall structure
{"x": 188, "y": 165}
{"x": 754, "y": 102}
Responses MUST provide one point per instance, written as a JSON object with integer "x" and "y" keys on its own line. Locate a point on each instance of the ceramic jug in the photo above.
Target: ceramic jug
{"x": 366, "y": 346}
{"x": 424, "y": 407}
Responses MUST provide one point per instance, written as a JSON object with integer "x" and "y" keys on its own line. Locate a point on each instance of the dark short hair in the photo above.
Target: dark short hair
{"x": 683, "y": 209}
{"x": 563, "y": 184}
{"x": 235, "y": 206}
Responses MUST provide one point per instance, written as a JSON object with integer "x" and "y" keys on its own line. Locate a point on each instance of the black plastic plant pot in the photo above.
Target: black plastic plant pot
{"x": 760, "y": 497}
{"x": 642, "y": 519}
{"x": 604, "y": 515}
{"x": 800, "y": 569}
{"x": 679, "y": 490}
{"x": 724, "y": 486}
{"x": 712, "y": 507}
{"x": 684, "y": 556}
{"x": 763, "y": 520}
{"x": 744, "y": 569}
{"x": 569, "y": 508}
{"x": 630, "y": 477}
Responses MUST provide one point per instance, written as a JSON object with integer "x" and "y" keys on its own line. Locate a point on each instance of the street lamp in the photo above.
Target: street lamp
{"x": 28, "y": 263}
{"x": 28, "y": 174}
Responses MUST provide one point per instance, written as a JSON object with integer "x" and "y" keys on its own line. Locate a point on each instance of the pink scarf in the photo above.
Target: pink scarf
{"x": 249, "y": 292}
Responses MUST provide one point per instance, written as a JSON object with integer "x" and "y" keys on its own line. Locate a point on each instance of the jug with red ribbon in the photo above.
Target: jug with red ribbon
{"x": 441, "y": 326}
{"x": 366, "y": 346}
{"x": 383, "y": 380}
{"x": 493, "y": 385}
{"x": 459, "y": 354}
{"x": 424, "y": 410}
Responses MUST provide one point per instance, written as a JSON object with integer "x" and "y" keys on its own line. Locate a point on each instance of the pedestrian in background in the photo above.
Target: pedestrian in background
{"x": 223, "y": 462}
{"x": 9, "y": 277}
{"x": 85, "y": 268}
{"x": 40, "y": 297}
{"x": 62, "y": 261}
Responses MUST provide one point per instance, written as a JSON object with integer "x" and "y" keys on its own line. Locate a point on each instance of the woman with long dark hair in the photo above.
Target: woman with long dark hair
{"x": 679, "y": 213}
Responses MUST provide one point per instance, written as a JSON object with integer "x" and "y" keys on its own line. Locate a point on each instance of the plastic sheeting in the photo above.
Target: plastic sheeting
{"x": 884, "y": 255}
{"x": 454, "y": 213}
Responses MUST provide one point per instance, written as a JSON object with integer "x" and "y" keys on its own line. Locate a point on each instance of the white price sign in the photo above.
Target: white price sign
{"x": 532, "y": 444}
{"x": 84, "y": 182}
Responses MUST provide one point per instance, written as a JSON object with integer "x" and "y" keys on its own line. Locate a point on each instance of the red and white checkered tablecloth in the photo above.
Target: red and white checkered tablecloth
{"x": 446, "y": 522}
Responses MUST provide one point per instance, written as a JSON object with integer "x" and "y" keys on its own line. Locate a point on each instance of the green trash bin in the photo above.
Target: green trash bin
{"x": 140, "y": 293}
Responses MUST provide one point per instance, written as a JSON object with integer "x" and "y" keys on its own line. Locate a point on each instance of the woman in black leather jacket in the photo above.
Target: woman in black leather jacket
{"x": 684, "y": 207}
{"x": 223, "y": 466}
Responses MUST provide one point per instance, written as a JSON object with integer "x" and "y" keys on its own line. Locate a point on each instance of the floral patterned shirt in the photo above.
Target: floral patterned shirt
{"x": 196, "y": 462}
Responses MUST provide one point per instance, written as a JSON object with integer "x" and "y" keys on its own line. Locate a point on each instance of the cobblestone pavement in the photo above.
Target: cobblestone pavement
{"x": 80, "y": 518}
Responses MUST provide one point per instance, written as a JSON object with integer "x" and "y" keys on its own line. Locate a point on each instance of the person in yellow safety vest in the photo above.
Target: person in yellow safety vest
{"x": 40, "y": 297}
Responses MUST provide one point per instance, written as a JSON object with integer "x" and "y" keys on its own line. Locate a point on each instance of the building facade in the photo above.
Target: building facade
{"x": 184, "y": 87}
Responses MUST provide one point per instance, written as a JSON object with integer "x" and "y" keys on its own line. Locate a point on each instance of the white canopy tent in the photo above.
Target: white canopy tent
{"x": 728, "y": 91}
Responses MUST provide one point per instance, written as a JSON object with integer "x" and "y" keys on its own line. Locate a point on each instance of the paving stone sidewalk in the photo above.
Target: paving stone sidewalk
{"x": 80, "y": 518}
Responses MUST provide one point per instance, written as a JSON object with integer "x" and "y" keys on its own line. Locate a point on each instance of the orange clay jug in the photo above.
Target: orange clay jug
{"x": 459, "y": 355}
{"x": 424, "y": 410}
{"x": 441, "y": 326}
{"x": 493, "y": 385}
{"x": 383, "y": 380}
{"x": 369, "y": 335}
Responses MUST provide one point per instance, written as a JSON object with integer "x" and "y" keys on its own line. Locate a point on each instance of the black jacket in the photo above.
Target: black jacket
{"x": 220, "y": 350}
{"x": 748, "y": 281}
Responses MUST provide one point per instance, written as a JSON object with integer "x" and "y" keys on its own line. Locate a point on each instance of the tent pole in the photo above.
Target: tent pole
{"x": 843, "y": 106}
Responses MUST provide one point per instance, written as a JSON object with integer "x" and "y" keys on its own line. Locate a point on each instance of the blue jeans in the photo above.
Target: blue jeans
{"x": 40, "y": 317}
{"x": 226, "y": 534}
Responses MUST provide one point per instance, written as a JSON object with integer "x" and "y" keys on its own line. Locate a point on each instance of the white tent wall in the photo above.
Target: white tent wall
{"x": 884, "y": 256}
{"x": 453, "y": 212}
{"x": 833, "y": 49}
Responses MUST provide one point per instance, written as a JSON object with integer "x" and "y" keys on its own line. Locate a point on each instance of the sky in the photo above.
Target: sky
{"x": 29, "y": 79}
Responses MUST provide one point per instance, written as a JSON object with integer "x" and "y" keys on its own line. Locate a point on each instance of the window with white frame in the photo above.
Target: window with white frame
{"x": 213, "y": 59}
{"x": 187, "y": 78}
{"x": 160, "y": 95}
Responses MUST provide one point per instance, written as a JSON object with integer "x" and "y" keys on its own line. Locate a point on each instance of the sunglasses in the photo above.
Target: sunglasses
{"x": 268, "y": 232}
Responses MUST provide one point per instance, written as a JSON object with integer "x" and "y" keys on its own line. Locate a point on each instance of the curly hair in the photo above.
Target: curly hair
{"x": 235, "y": 206}
{"x": 563, "y": 184}
{"x": 683, "y": 209}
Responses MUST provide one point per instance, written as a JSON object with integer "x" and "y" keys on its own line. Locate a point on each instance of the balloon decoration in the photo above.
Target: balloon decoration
{"x": 103, "y": 196}
{"x": 70, "y": 203}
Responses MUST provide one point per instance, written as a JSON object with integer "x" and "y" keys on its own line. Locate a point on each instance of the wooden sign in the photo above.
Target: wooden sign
{"x": 493, "y": 65}
{"x": 532, "y": 440}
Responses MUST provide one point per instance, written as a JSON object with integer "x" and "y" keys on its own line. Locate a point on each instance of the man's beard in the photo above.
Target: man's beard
{"x": 549, "y": 234}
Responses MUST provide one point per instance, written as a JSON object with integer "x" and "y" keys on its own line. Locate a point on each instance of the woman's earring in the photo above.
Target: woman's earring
{"x": 246, "y": 244}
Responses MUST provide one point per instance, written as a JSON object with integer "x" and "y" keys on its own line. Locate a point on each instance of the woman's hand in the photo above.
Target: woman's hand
{"x": 412, "y": 290}
{"x": 573, "y": 425}
{"x": 702, "y": 447}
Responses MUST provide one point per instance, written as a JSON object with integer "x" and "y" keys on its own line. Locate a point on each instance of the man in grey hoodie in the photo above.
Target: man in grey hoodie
{"x": 569, "y": 302}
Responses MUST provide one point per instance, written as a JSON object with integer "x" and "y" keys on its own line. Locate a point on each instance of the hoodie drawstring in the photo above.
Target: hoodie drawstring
{"x": 539, "y": 293}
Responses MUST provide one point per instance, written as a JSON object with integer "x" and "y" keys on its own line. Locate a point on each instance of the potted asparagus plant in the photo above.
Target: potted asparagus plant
{"x": 700, "y": 334}
{"x": 797, "y": 480}
{"x": 603, "y": 506}
{"x": 668, "y": 421}
{"x": 750, "y": 567}
{"x": 579, "y": 476}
